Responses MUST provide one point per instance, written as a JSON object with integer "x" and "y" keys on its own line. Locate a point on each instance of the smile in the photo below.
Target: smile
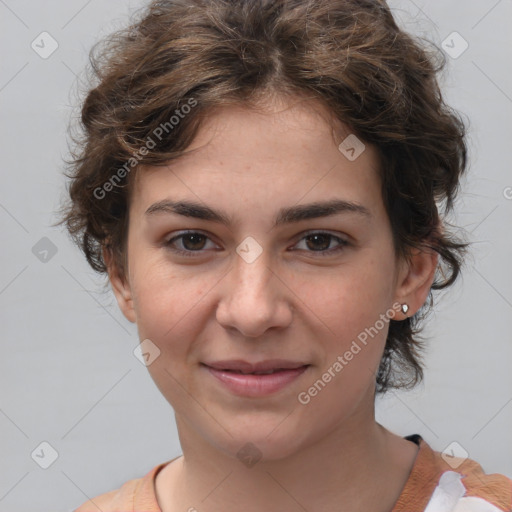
{"x": 255, "y": 380}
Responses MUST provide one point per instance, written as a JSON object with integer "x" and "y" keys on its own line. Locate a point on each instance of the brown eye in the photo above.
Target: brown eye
{"x": 189, "y": 243}
{"x": 193, "y": 241}
{"x": 320, "y": 242}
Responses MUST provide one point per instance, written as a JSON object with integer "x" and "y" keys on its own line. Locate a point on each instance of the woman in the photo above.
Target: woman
{"x": 262, "y": 182}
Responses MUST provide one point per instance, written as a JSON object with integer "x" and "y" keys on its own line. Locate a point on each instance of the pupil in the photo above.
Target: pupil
{"x": 325, "y": 238}
{"x": 192, "y": 237}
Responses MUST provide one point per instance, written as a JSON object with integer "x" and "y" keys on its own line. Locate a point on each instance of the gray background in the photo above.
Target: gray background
{"x": 68, "y": 375}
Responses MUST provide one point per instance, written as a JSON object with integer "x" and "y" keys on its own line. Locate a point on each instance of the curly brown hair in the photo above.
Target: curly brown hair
{"x": 190, "y": 56}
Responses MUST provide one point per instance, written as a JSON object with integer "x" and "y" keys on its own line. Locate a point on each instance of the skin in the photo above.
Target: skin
{"x": 292, "y": 302}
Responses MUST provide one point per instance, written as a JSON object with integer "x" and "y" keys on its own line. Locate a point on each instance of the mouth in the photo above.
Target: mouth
{"x": 258, "y": 368}
{"x": 267, "y": 372}
{"x": 255, "y": 379}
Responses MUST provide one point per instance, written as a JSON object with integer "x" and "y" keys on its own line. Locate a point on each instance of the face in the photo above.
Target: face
{"x": 254, "y": 275}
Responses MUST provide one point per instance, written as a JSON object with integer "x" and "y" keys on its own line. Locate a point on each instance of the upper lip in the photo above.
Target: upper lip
{"x": 261, "y": 366}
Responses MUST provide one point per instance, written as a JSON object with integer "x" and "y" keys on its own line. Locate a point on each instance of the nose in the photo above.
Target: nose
{"x": 254, "y": 298}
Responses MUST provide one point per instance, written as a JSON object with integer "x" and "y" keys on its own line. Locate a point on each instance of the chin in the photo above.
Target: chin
{"x": 265, "y": 439}
{"x": 257, "y": 451}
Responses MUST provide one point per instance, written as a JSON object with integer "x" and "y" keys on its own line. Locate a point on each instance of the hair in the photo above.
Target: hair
{"x": 159, "y": 78}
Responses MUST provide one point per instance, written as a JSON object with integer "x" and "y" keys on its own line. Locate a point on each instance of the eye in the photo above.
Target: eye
{"x": 191, "y": 241}
{"x": 320, "y": 242}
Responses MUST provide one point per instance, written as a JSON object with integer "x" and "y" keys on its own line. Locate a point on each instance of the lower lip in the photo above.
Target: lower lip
{"x": 256, "y": 385}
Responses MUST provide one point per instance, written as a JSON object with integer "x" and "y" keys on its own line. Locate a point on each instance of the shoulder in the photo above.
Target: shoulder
{"x": 132, "y": 496}
{"x": 470, "y": 488}
{"x": 119, "y": 499}
{"x": 441, "y": 482}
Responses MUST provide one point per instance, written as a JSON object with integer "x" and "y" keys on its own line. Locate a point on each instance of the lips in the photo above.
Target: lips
{"x": 258, "y": 368}
{"x": 255, "y": 379}
{"x": 267, "y": 372}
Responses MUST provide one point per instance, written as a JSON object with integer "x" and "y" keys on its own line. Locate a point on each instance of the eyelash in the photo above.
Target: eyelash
{"x": 188, "y": 253}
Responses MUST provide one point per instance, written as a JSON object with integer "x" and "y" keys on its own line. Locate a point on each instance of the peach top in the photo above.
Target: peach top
{"x": 437, "y": 483}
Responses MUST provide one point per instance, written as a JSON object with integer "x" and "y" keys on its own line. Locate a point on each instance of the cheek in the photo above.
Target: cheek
{"x": 169, "y": 314}
{"x": 350, "y": 304}
{"x": 351, "y": 298}
{"x": 352, "y": 335}
{"x": 166, "y": 305}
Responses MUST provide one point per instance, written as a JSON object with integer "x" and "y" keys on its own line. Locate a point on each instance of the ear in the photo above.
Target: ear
{"x": 415, "y": 279}
{"x": 120, "y": 286}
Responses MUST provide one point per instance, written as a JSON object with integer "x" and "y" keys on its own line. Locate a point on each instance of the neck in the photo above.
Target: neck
{"x": 359, "y": 466}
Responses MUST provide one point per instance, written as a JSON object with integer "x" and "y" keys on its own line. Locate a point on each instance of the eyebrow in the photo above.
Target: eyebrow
{"x": 286, "y": 215}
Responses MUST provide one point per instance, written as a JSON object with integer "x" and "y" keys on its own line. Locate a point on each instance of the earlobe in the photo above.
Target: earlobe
{"x": 416, "y": 280}
{"x": 120, "y": 287}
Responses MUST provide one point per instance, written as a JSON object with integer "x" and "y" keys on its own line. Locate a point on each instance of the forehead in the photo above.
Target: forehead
{"x": 275, "y": 126}
{"x": 241, "y": 153}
